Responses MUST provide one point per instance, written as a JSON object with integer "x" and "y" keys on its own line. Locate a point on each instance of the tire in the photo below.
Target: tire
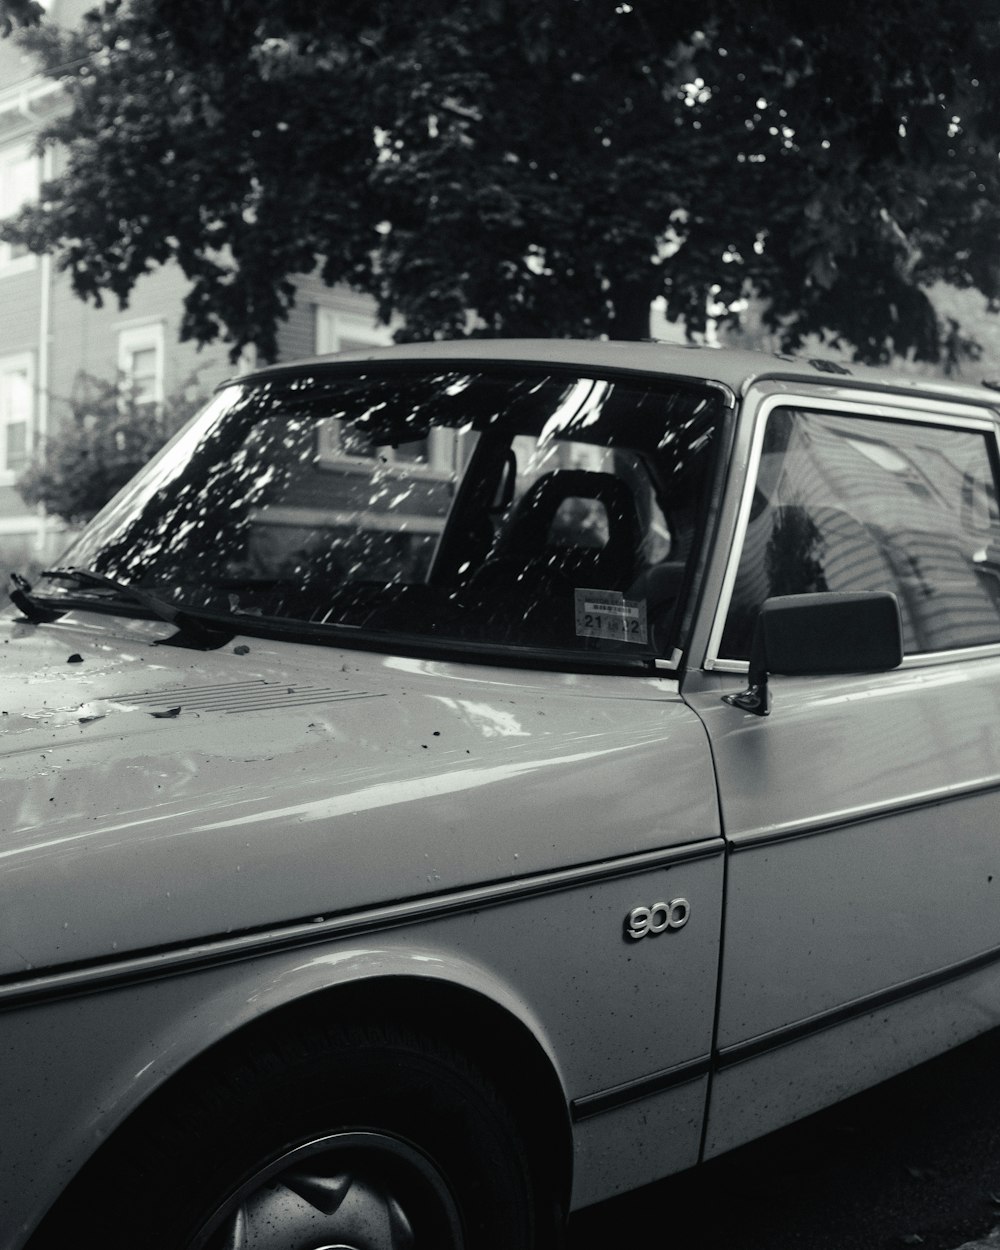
{"x": 360, "y": 1138}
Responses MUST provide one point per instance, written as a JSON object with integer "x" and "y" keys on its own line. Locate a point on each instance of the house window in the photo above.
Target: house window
{"x": 140, "y": 363}
{"x": 339, "y": 444}
{"x": 19, "y": 182}
{"x": 347, "y": 332}
{"x": 16, "y": 415}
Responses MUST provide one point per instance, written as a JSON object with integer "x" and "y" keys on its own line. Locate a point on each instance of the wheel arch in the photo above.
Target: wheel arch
{"x": 486, "y": 1032}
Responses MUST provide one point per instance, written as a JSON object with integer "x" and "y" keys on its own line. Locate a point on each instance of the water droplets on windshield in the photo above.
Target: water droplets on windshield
{"x": 458, "y": 506}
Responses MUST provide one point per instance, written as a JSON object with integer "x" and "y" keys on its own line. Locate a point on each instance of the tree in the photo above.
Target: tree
{"x": 107, "y": 439}
{"x": 19, "y": 13}
{"x": 532, "y": 166}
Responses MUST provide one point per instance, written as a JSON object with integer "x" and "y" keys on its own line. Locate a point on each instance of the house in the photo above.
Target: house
{"x": 49, "y": 338}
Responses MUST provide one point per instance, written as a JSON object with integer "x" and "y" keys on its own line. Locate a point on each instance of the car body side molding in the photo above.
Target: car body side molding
{"x": 47, "y": 985}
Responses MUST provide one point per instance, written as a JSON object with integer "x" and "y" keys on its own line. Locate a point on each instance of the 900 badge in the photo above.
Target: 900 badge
{"x": 657, "y": 919}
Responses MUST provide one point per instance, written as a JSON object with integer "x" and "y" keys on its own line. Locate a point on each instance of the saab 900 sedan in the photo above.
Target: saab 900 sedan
{"x": 455, "y": 784}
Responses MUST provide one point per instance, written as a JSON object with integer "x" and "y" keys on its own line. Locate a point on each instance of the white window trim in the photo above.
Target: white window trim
{"x": 22, "y": 526}
{"x": 331, "y": 457}
{"x": 333, "y": 325}
{"x": 15, "y": 154}
{"x": 138, "y": 338}
{"x": 22, "y": 362}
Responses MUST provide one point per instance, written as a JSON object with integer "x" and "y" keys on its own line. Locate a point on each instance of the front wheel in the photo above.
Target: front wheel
{"x": 351, "y": 1190}
{"x": 355, "y": 1138}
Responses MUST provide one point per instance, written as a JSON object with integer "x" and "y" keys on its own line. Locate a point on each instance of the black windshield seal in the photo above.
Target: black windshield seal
{"x": 419, "y": 646}
{"x": 215, "y": 630}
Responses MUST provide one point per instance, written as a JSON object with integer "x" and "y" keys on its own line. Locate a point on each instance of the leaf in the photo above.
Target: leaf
{"x": 251, "y": 143}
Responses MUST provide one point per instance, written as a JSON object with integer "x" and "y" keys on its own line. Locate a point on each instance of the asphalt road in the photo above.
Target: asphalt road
{"x": 915, "y": 1162}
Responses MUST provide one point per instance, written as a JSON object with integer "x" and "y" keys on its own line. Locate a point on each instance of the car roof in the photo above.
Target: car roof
{"x": 734, "y": 368}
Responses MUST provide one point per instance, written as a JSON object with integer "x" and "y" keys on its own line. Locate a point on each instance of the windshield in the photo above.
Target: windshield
{"x": 463, "y": 507}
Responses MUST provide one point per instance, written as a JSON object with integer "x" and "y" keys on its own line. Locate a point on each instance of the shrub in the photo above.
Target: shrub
{"x": 106, "y": 438}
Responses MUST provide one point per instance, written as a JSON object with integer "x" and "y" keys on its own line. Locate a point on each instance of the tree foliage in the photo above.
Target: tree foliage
{"x": 533, "y": 166}
{"x": 15, "y": 13}
{"x": 107, "y": 439}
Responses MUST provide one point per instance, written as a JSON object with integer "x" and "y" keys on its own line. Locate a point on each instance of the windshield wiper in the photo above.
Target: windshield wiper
{"x": 193, "y": 631}
{"x": 21, "y": 597}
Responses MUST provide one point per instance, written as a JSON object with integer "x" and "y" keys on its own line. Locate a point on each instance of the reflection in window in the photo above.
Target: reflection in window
{"x": 849, "y": 504}
{"x": 499, "y": 510}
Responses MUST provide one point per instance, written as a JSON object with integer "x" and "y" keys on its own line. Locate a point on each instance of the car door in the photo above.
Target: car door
{"x": 862, "y": 815}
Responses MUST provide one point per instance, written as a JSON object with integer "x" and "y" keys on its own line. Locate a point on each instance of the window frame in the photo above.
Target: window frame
{"x": 331, "y": 326}
{"x": 334, "y": 324}
{"x": 439, "y": 466}
{"x": 18, "y": 153}
{"x": 18, "y": 362}
{"x": 139, "y": 338}
{"x": 875, "y": 405}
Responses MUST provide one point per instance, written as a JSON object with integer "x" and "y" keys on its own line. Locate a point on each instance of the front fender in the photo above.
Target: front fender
{"x": 125, "y": 1043}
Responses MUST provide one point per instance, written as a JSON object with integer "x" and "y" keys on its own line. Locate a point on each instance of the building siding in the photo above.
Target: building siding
{"x": 66, "y": 338}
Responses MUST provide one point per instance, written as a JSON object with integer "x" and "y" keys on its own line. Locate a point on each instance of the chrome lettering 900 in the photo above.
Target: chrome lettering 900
{"x": 657, "y": 919}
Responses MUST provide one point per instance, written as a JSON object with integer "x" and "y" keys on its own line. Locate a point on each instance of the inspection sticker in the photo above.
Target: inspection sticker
{"x": 608, "y": 614}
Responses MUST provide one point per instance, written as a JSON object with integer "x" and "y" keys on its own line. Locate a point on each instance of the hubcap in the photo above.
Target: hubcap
{"x": 349, "y": 1191}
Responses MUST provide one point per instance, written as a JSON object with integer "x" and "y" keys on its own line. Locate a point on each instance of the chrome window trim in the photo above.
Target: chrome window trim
{"x": 670, "y": 663}
{"x": 986, "y": 651}
{"x": 728, "y": 666}
{"x": 889, "y": 407}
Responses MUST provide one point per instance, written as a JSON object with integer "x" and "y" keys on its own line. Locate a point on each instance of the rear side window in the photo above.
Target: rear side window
{"x": 845, "y": 503}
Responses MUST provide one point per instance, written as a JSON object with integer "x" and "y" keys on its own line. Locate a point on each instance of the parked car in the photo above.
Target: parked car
{"x": 454, "y": 784}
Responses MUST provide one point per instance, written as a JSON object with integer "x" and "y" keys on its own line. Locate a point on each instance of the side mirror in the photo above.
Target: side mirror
{"x": 816, "y": 634}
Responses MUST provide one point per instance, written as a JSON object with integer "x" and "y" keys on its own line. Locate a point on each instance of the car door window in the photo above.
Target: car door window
{"x": 847, "y": 503}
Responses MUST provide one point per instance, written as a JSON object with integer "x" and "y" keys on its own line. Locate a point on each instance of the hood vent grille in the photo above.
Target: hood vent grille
{"x": 246, "y": 696}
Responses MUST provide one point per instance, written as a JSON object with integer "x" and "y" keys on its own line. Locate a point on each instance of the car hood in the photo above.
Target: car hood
{"x": 154, "y": 796}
